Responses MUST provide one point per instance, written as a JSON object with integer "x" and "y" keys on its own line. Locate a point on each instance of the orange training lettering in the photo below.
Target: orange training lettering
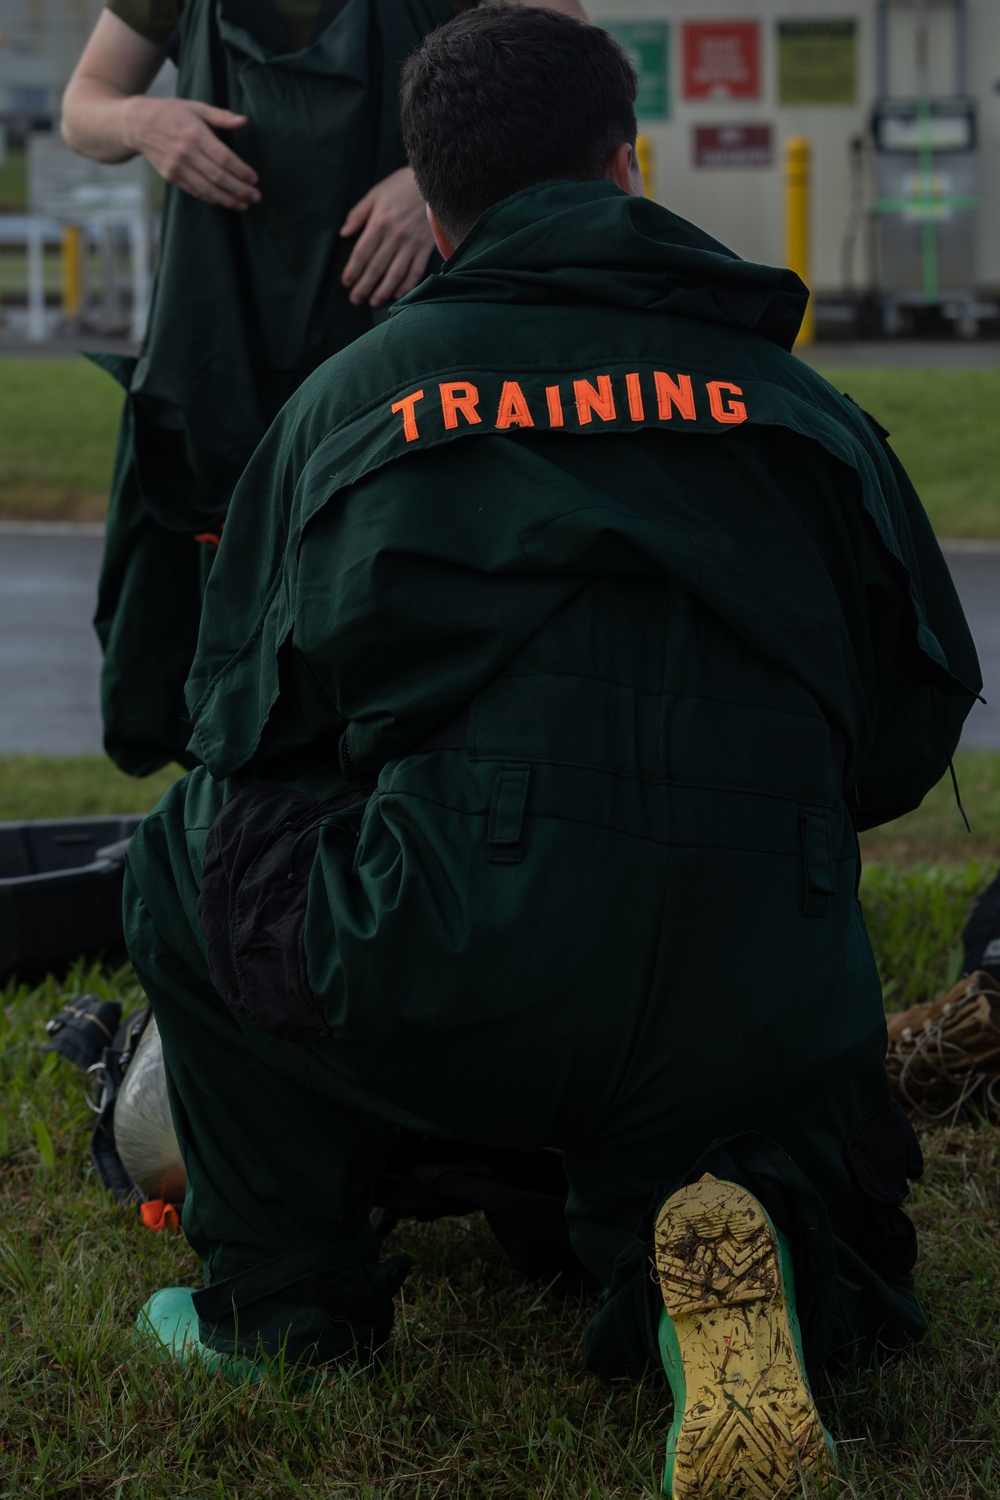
{"x": 513, "y": 409}
{"x": 725, "y": 411}
{"x": 554, "y": 402}
{"x": 670, "y": 394}
{"x": 459, "y": 396}
{"x": 636, "y": 410}
{"x": 590, "y": 399}
{"x": 408, "y": 407}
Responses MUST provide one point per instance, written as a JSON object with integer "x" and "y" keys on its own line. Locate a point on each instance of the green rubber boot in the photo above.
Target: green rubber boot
{"x": 745, "y": 1424}
{"x": 169, "y": 1320}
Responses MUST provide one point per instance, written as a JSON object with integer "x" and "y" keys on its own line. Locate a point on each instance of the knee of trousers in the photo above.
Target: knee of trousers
{"x": 163, "y": 874}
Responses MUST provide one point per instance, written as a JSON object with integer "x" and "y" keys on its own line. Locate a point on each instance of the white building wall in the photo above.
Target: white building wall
{"x": 744, "y": 207}
{"x": 40, "y": 41}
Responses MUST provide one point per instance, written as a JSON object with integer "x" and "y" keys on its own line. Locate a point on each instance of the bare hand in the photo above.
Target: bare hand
{"x": 177, "y": 136}
{"x": 395, "y": 242}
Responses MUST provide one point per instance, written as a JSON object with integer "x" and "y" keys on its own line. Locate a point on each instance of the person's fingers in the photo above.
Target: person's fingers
{"x": 369, "y": 259}
{"x": 355, "y": 262}
{"x": 195, "y": 175}
{"x": 402, "y": 276}
{"x": 225, "y": 168}
{"x": 221, "y": 181}
{"x": 416, "y": 273}
{"x": 199, "y": 186}
{"x": 358, "y": 216}
{"x": 376, "y": 250}
{"x": 385, "y": 291}
{"x": 196, "y": 159}
{"x": 207, "y": 143}
{"x": 220, "y": 119}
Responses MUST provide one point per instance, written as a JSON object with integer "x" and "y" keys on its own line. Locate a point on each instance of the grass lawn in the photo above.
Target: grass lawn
{"x": 484, "y": 1399}
{"x": 942, "y": 424}
{"x": 14, "y": 182}
{"x": 75, "y": 786}
{"x": 61, "y": 416}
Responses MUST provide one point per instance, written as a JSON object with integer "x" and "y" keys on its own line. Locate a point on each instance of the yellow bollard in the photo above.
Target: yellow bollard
{"x": 798, "y": 164}
{"x": 72, "y": 271}
{"x": 644, "y": 153}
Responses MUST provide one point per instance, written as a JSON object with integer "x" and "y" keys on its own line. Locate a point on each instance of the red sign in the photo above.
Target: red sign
{"x": 721, "y": 60}
{"x": 733, "y": 146}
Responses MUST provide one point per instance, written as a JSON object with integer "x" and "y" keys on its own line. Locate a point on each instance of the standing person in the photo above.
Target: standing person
{"x": 290, "y": 222}
{"x": 563, "y": 629}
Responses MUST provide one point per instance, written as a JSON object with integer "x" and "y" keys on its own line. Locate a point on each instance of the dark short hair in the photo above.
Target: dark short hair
{"x": 505, "y": 96}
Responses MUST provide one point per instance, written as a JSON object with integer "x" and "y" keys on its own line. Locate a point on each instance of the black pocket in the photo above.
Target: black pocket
{"x": 884, "y": 1156}
{"x": 253, "y": 901}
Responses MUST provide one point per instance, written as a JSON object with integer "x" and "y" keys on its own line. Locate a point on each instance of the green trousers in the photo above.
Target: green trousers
{"x": 656, "y": 979}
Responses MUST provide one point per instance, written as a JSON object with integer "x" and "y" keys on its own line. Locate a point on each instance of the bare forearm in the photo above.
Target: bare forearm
{"x": 106, "y": 91}
{"x": 98, "y": 120}
{"x": 108, "y": 116}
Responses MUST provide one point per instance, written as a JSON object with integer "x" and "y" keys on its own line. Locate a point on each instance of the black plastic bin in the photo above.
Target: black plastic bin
{"x": 60, "y": 890}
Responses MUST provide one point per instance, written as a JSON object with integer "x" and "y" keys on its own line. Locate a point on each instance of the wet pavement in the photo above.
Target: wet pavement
{"x": 975, "y": 567}
{"x": 50, "y": 661}
{"x": 49, "y": 656}
{"x": 946, "y": 354}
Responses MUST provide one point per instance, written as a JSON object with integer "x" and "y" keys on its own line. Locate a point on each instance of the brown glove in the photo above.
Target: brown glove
{"x": 943, "y": 1053}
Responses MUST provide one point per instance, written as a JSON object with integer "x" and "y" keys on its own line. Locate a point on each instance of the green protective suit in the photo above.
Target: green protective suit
{"x": 245, "y": 305}
{"x": 562, "y": 629}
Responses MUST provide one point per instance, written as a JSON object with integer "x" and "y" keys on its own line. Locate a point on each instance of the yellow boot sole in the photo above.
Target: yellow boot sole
{"x": 745, "y": 1425}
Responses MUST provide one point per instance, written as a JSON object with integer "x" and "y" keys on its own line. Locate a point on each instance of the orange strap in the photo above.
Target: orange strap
{"x": 159, "y": 1215}
{"x": 208, "y": 538}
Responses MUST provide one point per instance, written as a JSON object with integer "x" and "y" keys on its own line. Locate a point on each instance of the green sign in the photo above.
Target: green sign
{"x": 817, "y": 62}
{"x": 648, "y": 45}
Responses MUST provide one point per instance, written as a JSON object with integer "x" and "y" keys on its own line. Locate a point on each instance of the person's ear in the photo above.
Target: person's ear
{"x": 442, "y": 241}
{"x": 623, "y": 170}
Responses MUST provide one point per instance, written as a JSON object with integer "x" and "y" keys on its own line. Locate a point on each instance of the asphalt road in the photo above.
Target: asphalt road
{"x": 49, "y": 657}
{"x": 975, "y": 567}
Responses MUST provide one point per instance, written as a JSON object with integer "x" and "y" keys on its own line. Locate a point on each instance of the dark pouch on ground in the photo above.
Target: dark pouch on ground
{"x": 981, "y": 938}
{"x": 884, "y": 1156}
{"x": 82, "y": 1029}
{"x": 253, "y": 901}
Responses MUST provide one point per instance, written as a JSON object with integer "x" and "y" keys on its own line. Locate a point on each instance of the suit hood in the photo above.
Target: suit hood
{"x": 573, "y": 243}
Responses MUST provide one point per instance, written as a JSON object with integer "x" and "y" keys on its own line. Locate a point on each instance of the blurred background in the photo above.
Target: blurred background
{"x": 893, "y": 104}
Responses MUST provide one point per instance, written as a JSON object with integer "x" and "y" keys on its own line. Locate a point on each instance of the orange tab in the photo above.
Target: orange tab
{"x": 159, "y": 1215}
{"x": 208, "y": 539}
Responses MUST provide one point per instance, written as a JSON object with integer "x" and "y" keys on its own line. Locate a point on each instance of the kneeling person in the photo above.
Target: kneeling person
{"x": 563, "y": 630}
